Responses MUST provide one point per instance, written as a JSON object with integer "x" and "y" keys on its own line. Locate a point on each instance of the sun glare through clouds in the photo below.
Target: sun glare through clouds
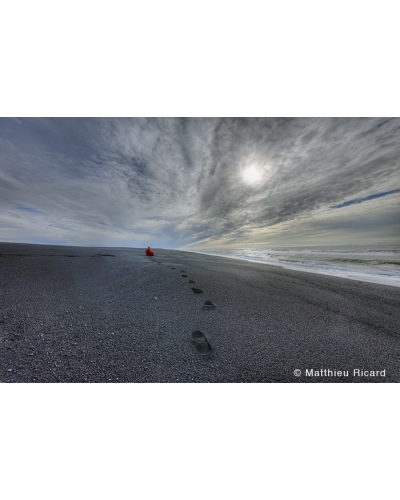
{"x": 251, "y": 175}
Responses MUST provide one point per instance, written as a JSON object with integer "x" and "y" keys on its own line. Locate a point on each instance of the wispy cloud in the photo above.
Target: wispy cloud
{"x": 175, "y": 182}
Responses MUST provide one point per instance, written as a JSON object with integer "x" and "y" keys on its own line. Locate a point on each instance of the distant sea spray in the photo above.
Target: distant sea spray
{"x": 372, "y": 264}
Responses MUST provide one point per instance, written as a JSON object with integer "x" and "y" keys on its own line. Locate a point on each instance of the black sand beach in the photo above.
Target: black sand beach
{"x": 74, "y": 314}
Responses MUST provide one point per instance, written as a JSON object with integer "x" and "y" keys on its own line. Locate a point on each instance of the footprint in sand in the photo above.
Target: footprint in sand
{"x": 197, "y": 290}
{"x": 184, "y": 275}
{"x": 201, "y": 343}
{"x": 172, "y": 268}
{"x": 192, "y": 281}
{"x": 208, "y": 306}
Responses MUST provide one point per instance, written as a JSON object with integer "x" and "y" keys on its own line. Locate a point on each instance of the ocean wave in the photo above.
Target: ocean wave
{"x": 344, "y": 262}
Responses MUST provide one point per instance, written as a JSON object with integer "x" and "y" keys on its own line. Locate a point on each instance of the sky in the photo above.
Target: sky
{"x": 199, "y": 183}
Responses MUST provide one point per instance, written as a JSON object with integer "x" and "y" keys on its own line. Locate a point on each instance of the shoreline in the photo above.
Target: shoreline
{"x": 361, "y": 277}
{"x": 101, "y": 314}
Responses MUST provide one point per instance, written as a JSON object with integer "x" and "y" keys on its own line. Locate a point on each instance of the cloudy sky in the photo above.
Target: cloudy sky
{"x": 200, "y": 182}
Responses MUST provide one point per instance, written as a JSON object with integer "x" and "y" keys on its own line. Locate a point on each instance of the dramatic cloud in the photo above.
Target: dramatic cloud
{"x": 200, "y": 182}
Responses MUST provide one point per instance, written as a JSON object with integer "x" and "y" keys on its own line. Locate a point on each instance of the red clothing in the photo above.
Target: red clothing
{"x": 149, "y": 253}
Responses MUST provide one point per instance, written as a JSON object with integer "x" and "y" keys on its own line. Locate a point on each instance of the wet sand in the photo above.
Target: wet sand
{"x": 73, "y": 314}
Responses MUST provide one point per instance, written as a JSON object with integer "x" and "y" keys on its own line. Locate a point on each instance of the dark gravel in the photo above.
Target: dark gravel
{"x": 71, "y": 314}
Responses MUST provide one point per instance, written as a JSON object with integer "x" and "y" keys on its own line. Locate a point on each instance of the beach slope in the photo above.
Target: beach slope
{"x": 74, "y": 314}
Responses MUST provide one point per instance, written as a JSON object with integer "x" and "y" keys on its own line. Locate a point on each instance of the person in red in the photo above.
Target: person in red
{"x": 149, "y": 253}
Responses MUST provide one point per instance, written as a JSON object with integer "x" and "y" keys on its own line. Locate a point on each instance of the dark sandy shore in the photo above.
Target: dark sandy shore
{"x": 70, "y": 314}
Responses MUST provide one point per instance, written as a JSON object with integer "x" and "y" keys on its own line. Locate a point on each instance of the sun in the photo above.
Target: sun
{"x": 252, "y": 174}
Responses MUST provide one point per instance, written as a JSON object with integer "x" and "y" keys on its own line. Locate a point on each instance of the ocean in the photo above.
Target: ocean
{"x": 377, "y": 264}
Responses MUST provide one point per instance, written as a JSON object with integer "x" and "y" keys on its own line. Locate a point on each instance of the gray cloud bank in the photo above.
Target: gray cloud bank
{"x": 178, "y": 182}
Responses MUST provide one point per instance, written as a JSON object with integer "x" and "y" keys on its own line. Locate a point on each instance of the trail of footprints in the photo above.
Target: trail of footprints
{"x": 199, "y": 340}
